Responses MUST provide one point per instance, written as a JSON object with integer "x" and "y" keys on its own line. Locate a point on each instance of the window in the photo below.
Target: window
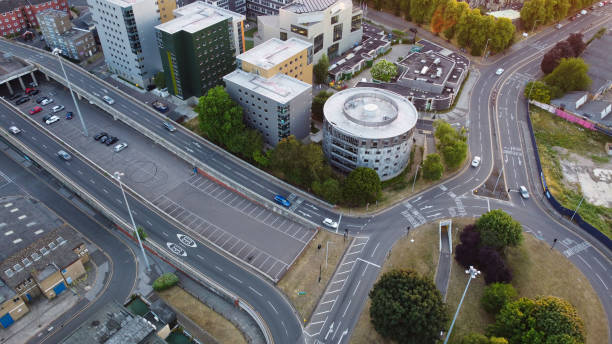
{"x": 356, "y": 23}
{"x": 318, "y": 43}
{"x": 337, "y": 32}
{"x": 334, "y": 19}
{"x": 299, "y": 30}
{"x": 283, "y": 36}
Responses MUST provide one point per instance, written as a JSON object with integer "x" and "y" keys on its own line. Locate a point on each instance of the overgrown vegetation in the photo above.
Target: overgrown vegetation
{"x": 452, "y": 143}
{"x": 320, "y": 70}
{"x": 384, "y": 70}
{"x": 317, "y": 104}
{"x": 165, "y": 281}
{"x": 544, "y": 12}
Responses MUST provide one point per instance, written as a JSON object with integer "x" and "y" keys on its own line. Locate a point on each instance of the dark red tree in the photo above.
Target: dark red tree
{"x": 577, "y": 44}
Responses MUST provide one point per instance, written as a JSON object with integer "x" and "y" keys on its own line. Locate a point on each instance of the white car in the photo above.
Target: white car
{"x": 476, "y": 161}
{"x": 330, "y": 223}
{"x": 52, "y": 120}
{"x": 108, "y": 100}
{"x": 57, "y": 108}
{"x": 524, "y": 192}
{"x": 499, "y": 71}
{"x": 119, "y": 147}
{"x": 46, "y": 101}
{"x": 62, "y": 154}
{"x": 14, "y": 130}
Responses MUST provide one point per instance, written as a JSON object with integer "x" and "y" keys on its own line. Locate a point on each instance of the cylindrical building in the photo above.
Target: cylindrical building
{"x": 369, "y": 127}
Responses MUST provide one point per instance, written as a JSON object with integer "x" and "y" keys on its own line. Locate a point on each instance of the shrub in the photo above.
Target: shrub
{"x": 165, "y": 281}
{"x": 496, "y": 296}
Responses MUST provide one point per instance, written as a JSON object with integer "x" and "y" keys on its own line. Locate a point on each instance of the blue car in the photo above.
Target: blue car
{"x": 282, "y": 201}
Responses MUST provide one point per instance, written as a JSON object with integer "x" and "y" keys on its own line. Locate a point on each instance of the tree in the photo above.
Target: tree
{"x": 317, "y": 104}
{"x": 477, "y": 338}
{"x": 160, "y": 80}
{"x": 498, "y": 229}
{"x": 452, "y": 143}
{"x": 432, "y": 167}
{"x": 466, "y": 253}
{"x": 539, "y": 91}
{"x": 569, "y": 75}
{"x": 407, "y": 308}
{"x": 496, "y": 296}
{"x": 577, "y": 44}
{"x": 320, "y": 70}
{"x": 384, "y": 71}
{"x": 330, "y": 190}
{"x": 502, "y": 34}
{"x": 493, "y": 266}
{"x": 165, "y": 281}
{"x": 542, "y": 320}
{"x": 361, "y": 186}
{"x": 298, "y": 163}
{"x": 141, "y": 232}
{"x": 551, "y": 60}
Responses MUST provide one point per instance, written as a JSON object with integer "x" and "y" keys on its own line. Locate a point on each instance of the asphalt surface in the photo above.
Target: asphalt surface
{"x": 40, "y": 185}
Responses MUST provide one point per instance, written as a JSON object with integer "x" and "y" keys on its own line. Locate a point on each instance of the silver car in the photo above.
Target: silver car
{"x": 524, "y": 192}
{"x": 62, "y": 154}
{"x": 52, "y": 120}
{"x": 108, "y": 100}
{"x": 57, "y": 108}
{"x": 119, "y": 147}
{"x": 46, "y": 101}
{"x": 14, "y": 130}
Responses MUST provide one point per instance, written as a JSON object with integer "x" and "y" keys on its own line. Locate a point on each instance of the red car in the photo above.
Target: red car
{"x": 36, "y": 109}
{"x": 29, "y": 89}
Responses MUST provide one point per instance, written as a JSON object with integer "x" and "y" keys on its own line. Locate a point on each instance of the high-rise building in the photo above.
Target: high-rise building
{"x": 265, "y": 7}
{"x": 238, "y": 6}
{"x": 292, "y": 57}
{"x": 199, "y": 47}
{"x": 127, "y": 31}
{"x": 332, "y": 26}
{"x": 165, "y": 9}
{"x": 17, "y": 16}
{"x": 58, "y": 32}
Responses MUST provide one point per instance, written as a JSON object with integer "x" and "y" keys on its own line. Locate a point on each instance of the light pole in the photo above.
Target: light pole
{"x": 57, "y": 53}
{"x": 415, "y": 175}
{"x": 579, "y": 203}
{"x": 484, "y": 54}
{"x": 117, "y": 176}
{"x": 534, "y": 24}
{"x": 473, "y": 274}
{"x": 327, "y": 253}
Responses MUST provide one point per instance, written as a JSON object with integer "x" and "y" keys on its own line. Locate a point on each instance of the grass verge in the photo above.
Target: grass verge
{"x": 251, "y": 32}
{"x": 303, "y": 277}
{"x": 552, "y": 131}
{"x": 249, "y": 44}
{"x": 210, "y": 321}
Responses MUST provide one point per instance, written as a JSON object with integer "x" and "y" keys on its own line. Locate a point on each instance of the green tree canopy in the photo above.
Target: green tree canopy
{"x": 477, "y": 338}
{"x": 432, "y": 167}
{"x": 330, "y": 190}
{"x": 496, "y": 295}
{"x": 539, "y": 91}
{"x": 320, "y": 70}
{"x": 498, "y": 229}
{"x": 361, "y": 186}
{"x": 407, "y": 308}
{"x": 543, "y": 320}
{"x": 384, "y": 70}
{"x": 317, "y": 104}
{"x": 452, "y": 143}
{"x": 298, "y": 163}
{"x": 569, "y": 75}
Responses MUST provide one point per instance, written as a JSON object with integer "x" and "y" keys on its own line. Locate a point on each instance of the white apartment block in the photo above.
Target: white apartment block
{"x": 332, "y": 26}
{"x": 127, "y": 34}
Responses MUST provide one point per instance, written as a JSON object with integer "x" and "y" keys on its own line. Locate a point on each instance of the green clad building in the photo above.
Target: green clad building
{"x": 199, "y": 47}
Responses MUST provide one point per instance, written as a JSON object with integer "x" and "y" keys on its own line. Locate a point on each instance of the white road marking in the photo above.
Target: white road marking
{"x": 372, "y": 255}
{"x": 271, "y": 305}
{"x": 234, "y": 278}
{"x": 356, "y": 287}
{"x": 218, "y": 268}
{"x": 602, "y": 282}
{"x": 255, "y": 291}
{"x": 346, "y": 309}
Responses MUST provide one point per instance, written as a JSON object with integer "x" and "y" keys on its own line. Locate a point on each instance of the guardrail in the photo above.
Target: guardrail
{"x": 597, "y": 234}
{"x": 83, "y": 194}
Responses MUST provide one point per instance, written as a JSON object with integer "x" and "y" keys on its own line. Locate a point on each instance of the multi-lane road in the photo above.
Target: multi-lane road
{"x": 496, "y": 133}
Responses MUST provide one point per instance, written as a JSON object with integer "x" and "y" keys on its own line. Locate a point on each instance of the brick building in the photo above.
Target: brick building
{"x": 18, "y": 15}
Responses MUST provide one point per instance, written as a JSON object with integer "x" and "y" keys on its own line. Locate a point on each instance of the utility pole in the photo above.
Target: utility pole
{"x": 574, "y": 214}
{"x": 497, "y": 181}
{"x": 57, "y": 53}
{"x": 473, "y": 274}
{"x": 415, "y": 175}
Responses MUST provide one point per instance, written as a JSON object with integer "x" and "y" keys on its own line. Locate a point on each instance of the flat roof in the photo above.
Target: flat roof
{"x": 280, "y": 88}
{"x": 51, "y": 12}
{"x": 197, "y": 16}
{"x": 436, "y": 67}
{"x": 597, "y": 56}
{"x": 510, "y": 14}
{"x": 369, "y": 112}
{"x": 372, "y": 39}
{"x": 306, "y": 6}
{"x": 273, "y": 51}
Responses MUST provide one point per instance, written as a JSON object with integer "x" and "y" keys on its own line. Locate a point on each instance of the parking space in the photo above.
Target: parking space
{"x": 251, "y": 233}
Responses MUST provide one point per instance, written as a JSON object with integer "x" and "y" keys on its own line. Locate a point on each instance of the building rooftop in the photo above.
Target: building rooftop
{"x": 273, "y": 51}
{"x": 196, "y": 17}
{"x": 597, "y": 56}
{"x": 370, "y": 112}
{"x": 9, "y": 5}
{"x": 594, "y": 107}
{"x": 568, "y": 101}
{"x": 280, "y": 88}
{"x": 372, "y": 39}
{"x": 305, "y": 6}
{"x": 432, "y": 67}
{"x": 50, "y": 12}
{"x": 510, "y": 14}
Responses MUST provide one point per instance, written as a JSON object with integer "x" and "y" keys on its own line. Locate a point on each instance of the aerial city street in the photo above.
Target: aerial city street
{"x": 305, "y": 171}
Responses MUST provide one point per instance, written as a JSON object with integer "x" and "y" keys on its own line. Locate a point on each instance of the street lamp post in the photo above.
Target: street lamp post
{"x": 117, "y": 176}
{"x": 415, "y": 175}
{"x": 326, "y": 253}
{"x": 57, "y": 53}
{"x": 534, "y": 24}
{"x": 473, "y": 274}
{"x": 484, "y": 54}
{"x": 579, "y": 203}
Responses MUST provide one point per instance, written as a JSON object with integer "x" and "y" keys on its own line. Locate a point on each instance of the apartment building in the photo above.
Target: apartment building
{"x": 265, "y": 7}
{"x": 292, "y": 57}
{"x": 58, "y": 32}
{"x": 199, "y": 47}
{"x": 238, "y": 6}
{"x": 127, "y": 32}
{"x": 332, "y": 26}
{"x": 166, "y": 7}
{"x": 16, "y": 16}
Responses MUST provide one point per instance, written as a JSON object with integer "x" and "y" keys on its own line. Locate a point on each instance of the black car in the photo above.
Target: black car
{"x": 34, "y": 92}
{"x": 100, "y": 135}
{"x": 111, "y": 140}
{"x": 15, "y": 96}
{"x": 45, "y": 118}
{"x": 104, "y": 138}
{"x": 22, "y": 100}
{"x": 39, "y": 100}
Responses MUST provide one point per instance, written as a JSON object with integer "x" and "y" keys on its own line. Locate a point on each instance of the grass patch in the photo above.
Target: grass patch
{"x": 249, "y": 44}
{"x": 552, "y": 131}
{"x": 250, "y": 32}
{"x": 304, "y": 274}
{"x": 213, "y": 323}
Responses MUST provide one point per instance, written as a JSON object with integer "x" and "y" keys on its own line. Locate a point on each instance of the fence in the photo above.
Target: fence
{"x": 555, "y": 204}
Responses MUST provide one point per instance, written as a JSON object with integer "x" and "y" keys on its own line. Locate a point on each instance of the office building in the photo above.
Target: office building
{"x": 369, "y": 127}
{"x": 292, "y": 57}
{"x": 127, "y": 34}
{"x": 238, "y": 6}
{"x": 257, "y": 8}
{"x": 17, "y": 16}
{"x": 58, "y": 32}
{"x": 332, "y": 26}
{"x": 278, "y": 106}
{"x": 199, "y": 47}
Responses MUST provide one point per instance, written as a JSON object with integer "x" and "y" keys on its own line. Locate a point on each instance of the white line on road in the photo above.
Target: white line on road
{"x": 365, "y": 261}
{"x": 234, "y": 278}
{"x": 105, "y": 191}
{"x": 584, "y": 261}
{"x": 346, "y": 309}
{"x": 149, "y": 222}
{"x": 218, "y": 268}
{"x": 271, "y": 305}
{"x": 164, "y": 233}
{"x": 356, "y": 287}
{"x": 255, "y": 291}
{"x": 197, "y": 255}
{"x": 352, "y": 261}
{"x": 488, "y": 205}
{"x": 602, "y": 282}
{"x": 372, "y": 255}
{"x": 283, "y": 323}
{"x": 598, "y": 262}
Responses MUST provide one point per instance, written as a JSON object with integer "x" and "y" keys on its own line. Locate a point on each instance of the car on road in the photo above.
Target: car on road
{"x": 159, "y": 106}
{"x": 108, "y": 100}
{"x": 499, "y": 71}
{"x": 558, "y": 26}
{"x": 169, "y": 126}
{"x": 35, "y": 110}
{"x": 22, "y": 100}
{"x": 62, "y": 154}
{"x": 15, "y": 96}
{"x": 524, "y": 192}
{"x": 100, "y": 135}
{"x": 46, "y": 101}
{"x": 69, "y": 115}
{"x": 40, "y": 99}
{"x": 282, "y": 201}
{"x": 111, "y": 140}
{"x": 330, "y": 223}
{"x": 118, "y": 148}
{"x": 14, "y": 130}
{"x": 52, "y": 120}
{"x": 57, "y": 108}
{"x": 583, "y": 12}
{"x": 476, "y": 161}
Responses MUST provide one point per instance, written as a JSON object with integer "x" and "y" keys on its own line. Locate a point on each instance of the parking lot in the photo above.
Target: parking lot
{"x": 248, "y": 231}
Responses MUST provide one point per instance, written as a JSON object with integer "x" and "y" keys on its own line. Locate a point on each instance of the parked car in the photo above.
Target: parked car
{"x": 118, "y": 148}
{"x": 524, "y": 192}
{"x": 330, "y": 223}
{"x": 22, "y": 100}
{"x": 14, "y": 130}
{"x": 169, "y": 126}
{"x": 111, "y": 140}
{"x": 62, "y": 154}
{"x": 15, "y": 96}
{"x": 45, "y": 118}
{"x": 46, "y": 101}
{"x": 100, "y": 135}
{"x": 57, "y": 108}
{"x": 499, "y": 71}
{"x": 33, "y": 92}
{"x": 108, "y": 100}
{"x": 40, "y": 99}
{"x": 69, "y": 115}
{"x": 583, "y": 12}
{"x": 159, "y": 106}
{"x": 282, "y": 201}
{"x": 476, "y": 161}
{"x": 35, "y": 110}
{"x": 104, "y": 138}
{"x": 52, "y": 120}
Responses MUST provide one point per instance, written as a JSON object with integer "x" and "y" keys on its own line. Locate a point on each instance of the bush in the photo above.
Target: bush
{"x": 165, "y": 281}
{"x": 432, "y": 167}
{"x": 384, "y": 70}
{"x": 141, "y": 232}
{"x": 496, "y": 296}
{"x": 452, "y": 143}
{"x": 466, "y": 253}
{"x": 493, "y": 266}
{"x": 498, "y": 229}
